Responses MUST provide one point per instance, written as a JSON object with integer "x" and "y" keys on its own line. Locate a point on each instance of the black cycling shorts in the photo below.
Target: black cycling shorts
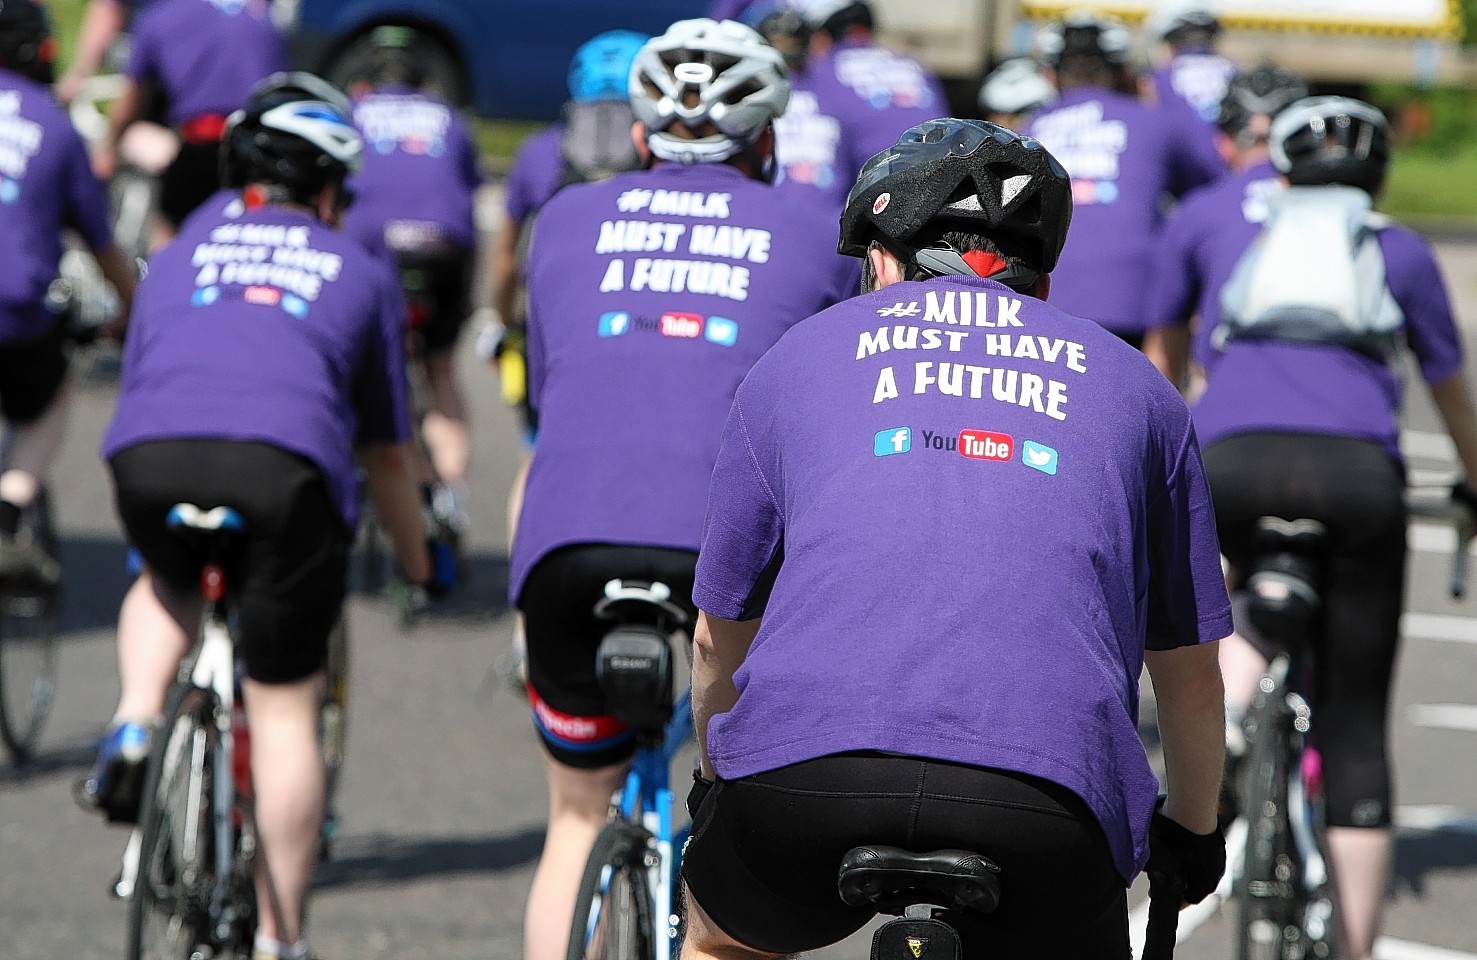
{"x": 287, "y": 578}
{"x": 765, "y": 851}
{"x": 31, "y": 375}
{"x": 191, "y": 179}
{"x": 563, "y": 636}
{"x": 440, "y": 286}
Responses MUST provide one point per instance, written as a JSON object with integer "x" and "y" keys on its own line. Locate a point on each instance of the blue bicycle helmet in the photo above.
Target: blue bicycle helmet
{"x": 601, "y": 68}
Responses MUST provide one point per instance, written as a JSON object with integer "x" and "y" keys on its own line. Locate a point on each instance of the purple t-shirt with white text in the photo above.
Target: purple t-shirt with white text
{"x": 649, "y": 297}
{"x": 963, "y": 516}
{"x": 46, "y": 184}
{"x": 266, "y": 326}
{"x": 1197, "y": 80}
{"x": 207, "y": 55}
{"x": 537, "y": 173}
{"x": 420, "y": 173}
{"x": 1124, "y": 158}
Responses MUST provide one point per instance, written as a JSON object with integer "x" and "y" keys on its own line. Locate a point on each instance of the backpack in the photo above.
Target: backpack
{"x": 1315, "y": 274}
{"x": 597, "y": 141}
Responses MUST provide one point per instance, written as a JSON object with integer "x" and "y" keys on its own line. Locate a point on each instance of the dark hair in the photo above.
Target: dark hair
{"x": 25, "y": 39}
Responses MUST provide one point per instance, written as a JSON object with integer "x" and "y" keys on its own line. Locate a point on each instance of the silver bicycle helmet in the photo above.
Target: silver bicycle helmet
{"x": 1172, "y": 18}
{"x": 1016, "y": 86}
{"x": 1332, "y": 140}
{"x": 718, "y": 80}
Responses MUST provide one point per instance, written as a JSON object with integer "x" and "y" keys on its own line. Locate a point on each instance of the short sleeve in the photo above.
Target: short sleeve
{"x": 1420, "y": 291}
{"x": 1187, "y": 601}
{"x": 381, "y": 392}
{"x": 521, "y": 187}
{"x": 143, "y": 63}
{"x": 743, "y": 533}
{"x": 1192, "y": 160}
{"x": 467, "y": 166}
{"x": 1174, "y": 287}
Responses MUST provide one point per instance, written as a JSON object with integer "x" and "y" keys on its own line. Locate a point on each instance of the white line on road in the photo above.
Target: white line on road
{"x": 1445, "y": 716}
{"x": 1439, "y": 626}
{"x": 1433, "y": 537}
{"x": 1436, "y": 817}
{"x": 1423, "y": 443}
{"x": 1388, "y": 948}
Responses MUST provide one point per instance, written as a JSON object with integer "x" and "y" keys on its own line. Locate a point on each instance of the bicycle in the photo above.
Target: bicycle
{"x": 626, "y": 907}
{"x": 1285, "y": 904}
{"x": 28, "y": 623}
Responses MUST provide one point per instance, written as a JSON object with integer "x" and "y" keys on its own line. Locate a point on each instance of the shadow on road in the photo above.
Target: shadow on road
{"x": 54, "y": 759}
{"x": 377, "y": 859}
{"x": 1417, "y": 855}
{"x": 95, "y": 577}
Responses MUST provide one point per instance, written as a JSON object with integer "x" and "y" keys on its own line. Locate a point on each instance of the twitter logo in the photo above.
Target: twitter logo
{"x": 1038, "y": 456}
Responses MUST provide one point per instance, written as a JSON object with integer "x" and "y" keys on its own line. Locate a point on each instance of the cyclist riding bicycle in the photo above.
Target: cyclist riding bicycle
{"x": 1205, "y": 235}
{"x": 948, "y": 526}
{"x": 46, "y": 187}
{"x": 265, "y": 350}
{"x": 649, "y": 297}
{"x": 204, "y": 58}
{"x": 1189, "y": 72}
{"x": 1302, "y": 422}
{"x": 1014, "y": 91}
{"x": 415, "y": 196}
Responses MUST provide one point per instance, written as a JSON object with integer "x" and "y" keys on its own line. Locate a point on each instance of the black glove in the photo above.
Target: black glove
{"x": 700, "y": 789}
{"x": 1193, "y": 859}
{"x": 444, "y": 568}
{"x": 1462, "y": 492}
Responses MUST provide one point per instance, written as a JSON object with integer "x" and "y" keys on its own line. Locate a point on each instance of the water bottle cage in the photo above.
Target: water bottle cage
{"x": 634, "y": 669}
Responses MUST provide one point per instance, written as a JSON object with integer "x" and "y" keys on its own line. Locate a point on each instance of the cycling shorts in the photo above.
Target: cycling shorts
{"x": 765, "y": 851}
{"x": 192, "y": 178}
{"x": 563, "y": 636}
{"x": 439, "y": 286}
{"x": 287, "y": 576}
{"x": 31, "y": 375}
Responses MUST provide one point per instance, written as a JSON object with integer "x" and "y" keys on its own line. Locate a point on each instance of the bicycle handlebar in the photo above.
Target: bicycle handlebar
{"x": 1463, "y": 523}
{"x": 1165, "y": 898}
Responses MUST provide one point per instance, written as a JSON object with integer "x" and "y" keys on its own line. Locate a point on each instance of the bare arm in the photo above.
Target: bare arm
{"x": 1168, "y": 348}
{"x": 101, "y": 23}
{"x": 1192, "y": 723}
{"x": 119, "y": 270}
{"x": 505, "y": 269}
{"x": 1455, "y": 403}
{"x": 396, "y": 497}
{"x": 718, "y": 648}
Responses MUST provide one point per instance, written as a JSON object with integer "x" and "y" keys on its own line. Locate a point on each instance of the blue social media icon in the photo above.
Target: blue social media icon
{"x": 614, "y": 324}
{"x": 1039, "y": 457}
{"x": 205, "y": 296}
{"x": 295, "y": 305}
{"x": 892, "y": 440}
{"x": 722, "y": 331}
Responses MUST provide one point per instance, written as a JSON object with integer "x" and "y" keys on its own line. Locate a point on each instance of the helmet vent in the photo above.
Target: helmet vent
{"x": 1011, "y": 187}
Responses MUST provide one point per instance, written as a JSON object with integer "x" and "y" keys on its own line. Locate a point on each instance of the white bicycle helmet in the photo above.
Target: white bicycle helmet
{"x": 1016, "y": 86}
{"x": 707, "y": 72}
{"x": 295, "y": 131}
{"x": 1171, "y": 16}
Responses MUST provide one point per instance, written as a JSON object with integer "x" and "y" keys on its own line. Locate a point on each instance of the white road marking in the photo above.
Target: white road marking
{"x": 1445, "y": 716}
{"x": 1388, "y": 948}
{"x": 1423, "y": 443}
{"x": 1428, "y": 536}
{"x": 1437, "y": 626}
{"x": 1436, "y": 817}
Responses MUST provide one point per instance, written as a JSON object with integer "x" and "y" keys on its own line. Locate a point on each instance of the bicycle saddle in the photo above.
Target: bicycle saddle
{"x": 1303, "y": 537}
{"x": 890, "y": 879}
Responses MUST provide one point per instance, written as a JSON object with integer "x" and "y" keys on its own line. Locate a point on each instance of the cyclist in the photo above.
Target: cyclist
{"x": 649, "y": 295}
{"x": 1308, "y": 428}
{"x": 45, "y": 187}
{"x": 103, "y": 22}
{"x": 948, "y": 526}
{"x": 204, "y": 58}
{"x": 1189, "y": 73}
{"x": 1123, "y": 157}
{"x": 1206, "y": 234}
{"x": 415, "y": 197}
{"x": 264, "y": 347}
{"x": 1014, "y": 91}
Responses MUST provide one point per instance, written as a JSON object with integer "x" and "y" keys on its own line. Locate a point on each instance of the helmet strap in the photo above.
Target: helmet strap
{"x": 943, "y": 260}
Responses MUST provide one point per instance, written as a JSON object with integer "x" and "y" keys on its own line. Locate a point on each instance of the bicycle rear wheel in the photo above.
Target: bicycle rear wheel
{"x": 169, "y": 916}
{"x": 613, "y": 914}
{"x": 1269, "y": 894}
{"x": 28, "y": 619}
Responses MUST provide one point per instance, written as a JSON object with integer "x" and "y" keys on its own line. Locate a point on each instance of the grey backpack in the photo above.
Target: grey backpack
{"x": 597, "y": 141}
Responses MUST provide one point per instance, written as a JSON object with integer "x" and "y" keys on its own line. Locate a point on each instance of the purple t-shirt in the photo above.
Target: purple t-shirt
{"x": 1124, "y": 158}
{"x": 1256, "y": 386}
{"x": 207, "y": 55}
{"x": 420, "y": 172}
{"x": 1199, "y": 245}
{"x": 266, "y": 326}
{"x": 537, "y": 173}
{"x": 1197, "y": 80}
{"x": 875, "y": 94}
{"x": 963, "y": 516}
{"x": 46, "y": 184}
{"x": 649, "y": 297}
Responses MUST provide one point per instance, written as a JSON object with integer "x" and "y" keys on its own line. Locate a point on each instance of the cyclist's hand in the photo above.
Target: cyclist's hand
{"x": 1198, "y": 860}
{"x": 701, "y": 787}
{"x": 1462, "y": 493}
{"x": 104, "y": 163}
{"x": 445, "y": 570}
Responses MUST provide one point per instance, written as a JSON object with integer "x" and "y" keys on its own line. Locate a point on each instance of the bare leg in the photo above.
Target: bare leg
{"x": 33, "y": 449}
{"x": 1361, "y": 860}
{"x": 155, "y": 631}
{"x": 445, "y": 424}
{"x": 578, "y": 802}
{"x": 287, "y": 775}
{"x": 705, "y": 940}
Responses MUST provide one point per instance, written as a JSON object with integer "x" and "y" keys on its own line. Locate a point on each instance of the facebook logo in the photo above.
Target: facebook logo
{"x": 1039, "y": 457}
{"x": 614, "y": 324}
{"x": 893, "y": 440}
{"x": 722, "y": 331}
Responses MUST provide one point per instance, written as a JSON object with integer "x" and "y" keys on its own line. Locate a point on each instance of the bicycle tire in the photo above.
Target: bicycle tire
{"x": 613, "y": 911}
{"x": 1268, "y": 895}
{"x": 28, "y": 624}
{"x": 169, "y": 912}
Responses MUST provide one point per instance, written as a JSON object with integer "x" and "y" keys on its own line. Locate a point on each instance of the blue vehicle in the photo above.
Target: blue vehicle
{"x": 504, "y": 58}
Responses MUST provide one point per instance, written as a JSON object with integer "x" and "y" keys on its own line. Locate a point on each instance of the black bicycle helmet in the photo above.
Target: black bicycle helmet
{"x": 1261, "y": 92}
{"x": 971, "y": 175}
{"x": 1332, "y": 140}
{"x": 836, "y": 17}
{"x": 26, "y": 45}
{"x": 784, "y": 28}
{"x": 1084, "y": 36}
{"x": 395, "y": 59}
{"x": 296, "y": 133}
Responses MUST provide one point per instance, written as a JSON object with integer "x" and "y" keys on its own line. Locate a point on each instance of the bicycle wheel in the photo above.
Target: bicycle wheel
{"x": 28, "y": 619}
{"x": 1269, "y": 894}
{"x": 169, "y": 914}
{"x": 613, "y": 913}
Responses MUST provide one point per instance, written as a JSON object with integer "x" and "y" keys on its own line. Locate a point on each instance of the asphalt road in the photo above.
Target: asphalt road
{"x": 443, "y": 800}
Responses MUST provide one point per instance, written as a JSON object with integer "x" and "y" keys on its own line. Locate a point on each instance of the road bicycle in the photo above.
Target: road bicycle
{"x": 188, "y": 871}
{"x": 627, "y": 907}
{"x": 28, "y": 623}
{"x": 1284, "y": 899}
